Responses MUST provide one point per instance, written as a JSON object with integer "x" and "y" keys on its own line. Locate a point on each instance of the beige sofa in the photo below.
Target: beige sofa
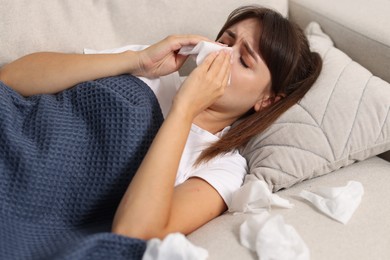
{"x": 357, "y": 27}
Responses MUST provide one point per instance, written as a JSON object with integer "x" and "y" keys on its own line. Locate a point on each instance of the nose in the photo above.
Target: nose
{"x": 235, "y": 53}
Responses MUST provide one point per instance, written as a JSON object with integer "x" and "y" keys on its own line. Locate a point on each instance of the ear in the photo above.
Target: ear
{"x": 267, "y": 101}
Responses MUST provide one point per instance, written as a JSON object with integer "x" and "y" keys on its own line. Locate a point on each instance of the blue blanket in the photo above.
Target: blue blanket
{"x": 65, "y": 162}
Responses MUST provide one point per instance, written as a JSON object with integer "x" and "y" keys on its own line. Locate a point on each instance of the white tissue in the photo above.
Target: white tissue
{"x": 338, "y": 203}
{"x": 254, "y": 197}
{"x": 271, "y": 238}
{"x": 202, "y": 49}
{"x": 174, "y": 247}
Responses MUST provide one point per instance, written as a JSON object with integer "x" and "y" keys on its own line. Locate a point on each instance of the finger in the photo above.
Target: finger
{"x": 186, "y": 40}
{"x": 224, "y": 71}
{"x": 227, "y": 75}
{"x": 208, "y": 61}
{"x": 218, "y": 67}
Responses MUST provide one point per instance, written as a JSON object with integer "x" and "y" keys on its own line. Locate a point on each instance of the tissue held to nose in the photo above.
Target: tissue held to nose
{"x": 202, "y": 49}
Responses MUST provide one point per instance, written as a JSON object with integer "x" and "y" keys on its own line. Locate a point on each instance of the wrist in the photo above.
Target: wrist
{"x": 181, "y": 113}
{"x": 133, "y": 63}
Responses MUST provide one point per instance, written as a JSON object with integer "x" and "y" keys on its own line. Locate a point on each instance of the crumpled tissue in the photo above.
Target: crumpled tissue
{"x": 271, "y": 238}
{"x": 254, "y": 197}
{"x": 175, "y": 246}
{"x": 338, "y": 203}
{"x": 202, "y": 49}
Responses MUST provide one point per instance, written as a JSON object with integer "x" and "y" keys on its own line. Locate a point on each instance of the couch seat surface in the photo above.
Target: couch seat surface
{"x": 365, "y": 236}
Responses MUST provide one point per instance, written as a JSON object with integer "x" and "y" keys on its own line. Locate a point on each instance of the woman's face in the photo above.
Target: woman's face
{"x": 250, "y": 78}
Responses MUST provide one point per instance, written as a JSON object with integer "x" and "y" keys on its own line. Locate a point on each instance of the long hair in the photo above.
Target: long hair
{"x": 293, "y": 67}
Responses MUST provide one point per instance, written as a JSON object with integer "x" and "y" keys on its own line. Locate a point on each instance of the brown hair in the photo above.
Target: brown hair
{"x": 293, "y": 67}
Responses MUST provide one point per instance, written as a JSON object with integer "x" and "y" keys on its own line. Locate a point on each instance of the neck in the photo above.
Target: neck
{"x": 212, "y": 121}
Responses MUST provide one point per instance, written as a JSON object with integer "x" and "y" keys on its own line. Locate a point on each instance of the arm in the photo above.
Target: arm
{"x": 48, "y": 72}
{"x": 152, "y": 207}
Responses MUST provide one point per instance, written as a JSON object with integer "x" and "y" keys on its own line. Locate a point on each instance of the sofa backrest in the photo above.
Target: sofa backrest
{"x": 359, "y": 28}
{"x": 69, "y": 26}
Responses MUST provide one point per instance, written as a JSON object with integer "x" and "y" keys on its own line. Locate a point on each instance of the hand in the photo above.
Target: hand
{"x": 161, "y": 58}
{"x": 204, "y": 85}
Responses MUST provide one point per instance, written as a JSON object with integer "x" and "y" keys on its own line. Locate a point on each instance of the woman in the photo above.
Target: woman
{"x": 271, "y": 68}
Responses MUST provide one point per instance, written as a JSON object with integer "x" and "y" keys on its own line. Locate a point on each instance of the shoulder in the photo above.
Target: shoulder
{"x": 225, "y": 173}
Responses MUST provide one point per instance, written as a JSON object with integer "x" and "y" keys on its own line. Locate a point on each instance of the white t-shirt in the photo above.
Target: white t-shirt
{"x": 225, "y": 173}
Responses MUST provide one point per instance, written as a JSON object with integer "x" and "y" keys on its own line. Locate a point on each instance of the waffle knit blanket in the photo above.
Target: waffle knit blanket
{"x": 65, "y": 162}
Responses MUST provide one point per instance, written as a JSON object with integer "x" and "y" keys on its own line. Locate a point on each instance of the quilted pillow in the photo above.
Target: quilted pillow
{"x": 344, "y": 118}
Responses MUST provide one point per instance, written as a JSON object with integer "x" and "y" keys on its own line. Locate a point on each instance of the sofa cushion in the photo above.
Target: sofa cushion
{"x": 69, "y": 26}
{"x": 342, "y": 119}
{"x": 360, "y": 29}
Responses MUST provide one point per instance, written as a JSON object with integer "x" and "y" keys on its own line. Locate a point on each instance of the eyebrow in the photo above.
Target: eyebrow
{"x": 246, "y": 44}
